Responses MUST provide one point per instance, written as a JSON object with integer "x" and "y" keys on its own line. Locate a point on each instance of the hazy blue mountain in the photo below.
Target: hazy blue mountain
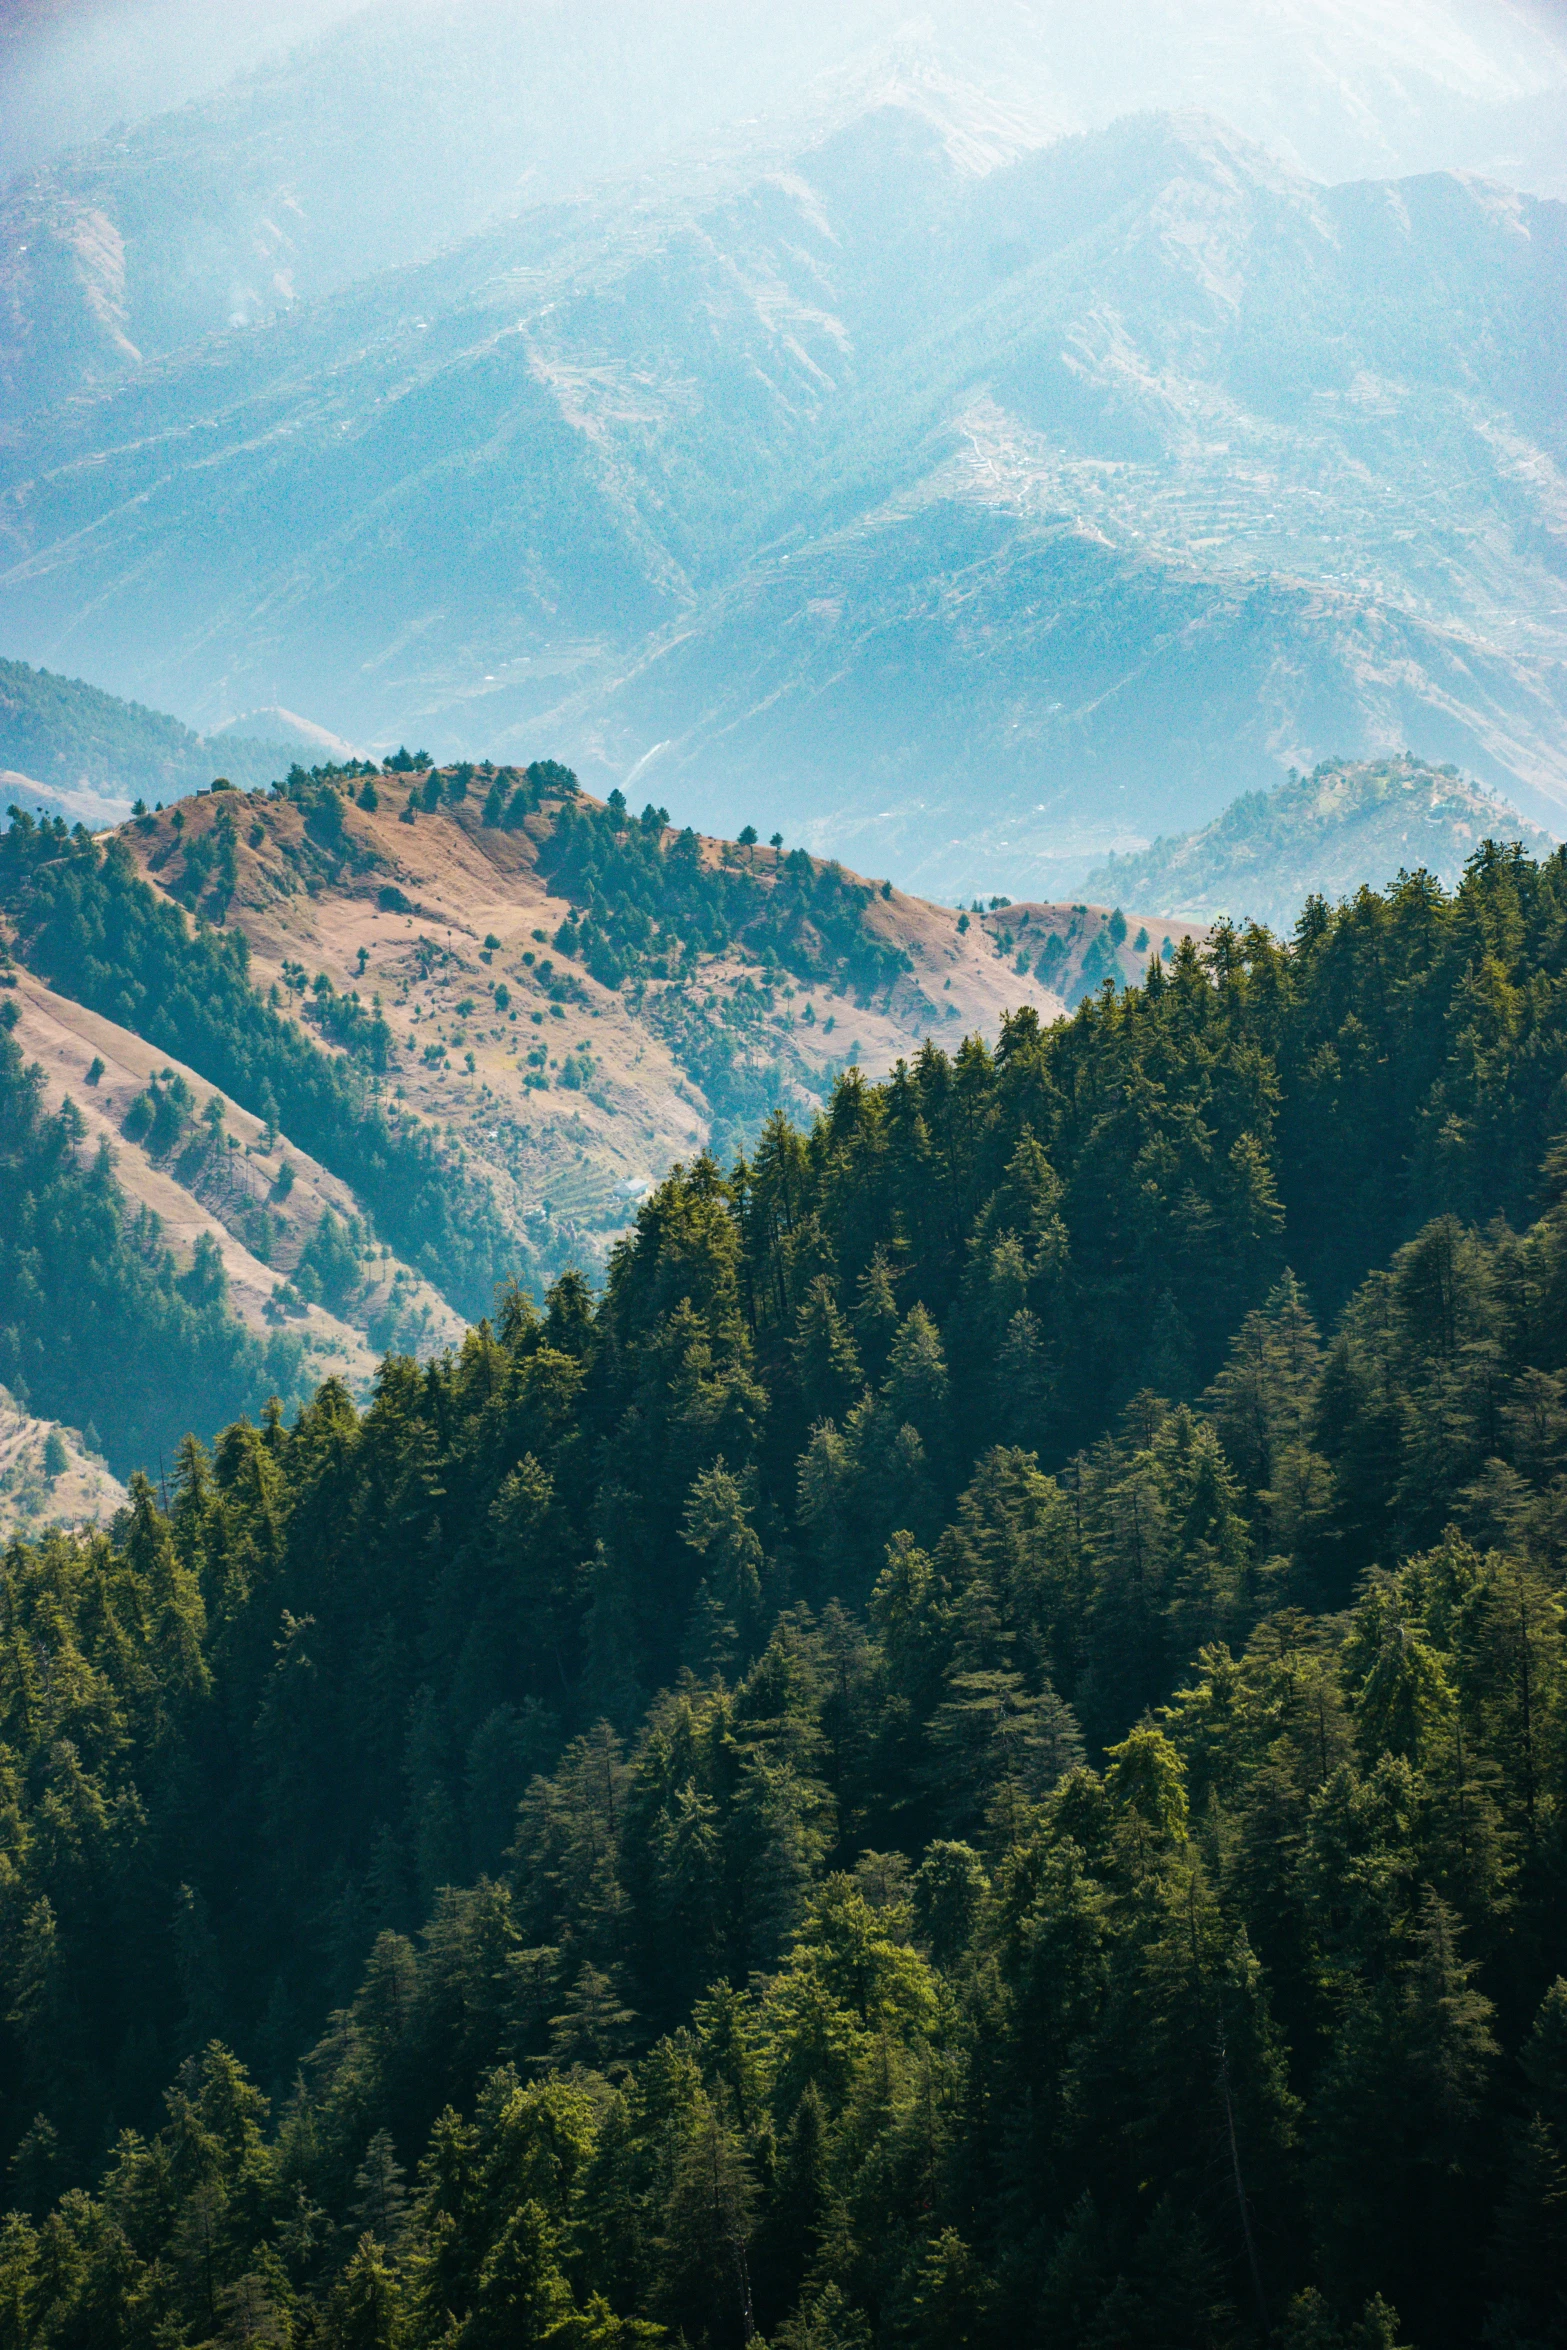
{"x": 408, "y": 125}
{"x": 1346, "y": 824}
{"x": 376, "y": 144}
{"x": 76, "y": 742}
{"x": 278, "y": 729}
{"x": 977, "y": 521}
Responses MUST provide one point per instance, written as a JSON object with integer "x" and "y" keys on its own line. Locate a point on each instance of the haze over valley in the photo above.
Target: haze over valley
{"x": 981, "y": 491}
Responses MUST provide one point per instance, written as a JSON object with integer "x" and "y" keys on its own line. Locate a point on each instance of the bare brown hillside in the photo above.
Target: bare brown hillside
{"x": 50, "y": 1475}
{"x": 573, "y": 1094}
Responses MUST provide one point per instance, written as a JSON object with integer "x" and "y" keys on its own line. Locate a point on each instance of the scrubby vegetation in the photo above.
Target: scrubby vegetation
{"x": 650, "y": 903}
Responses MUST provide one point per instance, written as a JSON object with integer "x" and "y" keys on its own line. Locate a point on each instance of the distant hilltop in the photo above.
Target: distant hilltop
{"x": 61, "y": 739}
{"x": 1346, "y": 824}
{"x": 289, "y": 731}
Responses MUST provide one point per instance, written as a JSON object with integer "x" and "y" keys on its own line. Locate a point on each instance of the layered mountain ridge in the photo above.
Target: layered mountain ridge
{"x": 69, "y": 749}
{"x": 986, "y": 519}
{"x": 306, "y": 173}
{"x": 792, "y": 1651}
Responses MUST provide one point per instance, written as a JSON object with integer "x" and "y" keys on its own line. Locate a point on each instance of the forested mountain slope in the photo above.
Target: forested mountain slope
{"x": 69, "y": 738}
{"x": 976, "y": 1752}
{"x": 287, "y": 1236}
{"x": 98, "y": 1322}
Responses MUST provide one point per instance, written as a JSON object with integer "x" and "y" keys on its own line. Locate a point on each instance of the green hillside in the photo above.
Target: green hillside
{"x": 1324, "y": 834}
{"x": 975, "y": 1753}
{"x": 68, "y": 736}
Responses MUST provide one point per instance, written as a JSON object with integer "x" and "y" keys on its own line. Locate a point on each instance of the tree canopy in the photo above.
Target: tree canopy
{"x": 974, "y": 1751}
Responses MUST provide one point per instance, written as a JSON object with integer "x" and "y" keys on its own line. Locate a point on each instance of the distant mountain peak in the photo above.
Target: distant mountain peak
{"x": 1347, "y": 824}
{"x": 277, "y": 725}
{"x": 981, "y": 130}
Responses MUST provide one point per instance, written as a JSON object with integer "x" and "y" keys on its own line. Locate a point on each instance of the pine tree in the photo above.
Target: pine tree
{"x": 717, "y": 1526}
{"x": 365, "y": 2309}
{"x": 828, "y": 1363}
{"x": 381, "y": 2209}
{"x": 875, "y": 1314}
{"x": 708, "y": 2228}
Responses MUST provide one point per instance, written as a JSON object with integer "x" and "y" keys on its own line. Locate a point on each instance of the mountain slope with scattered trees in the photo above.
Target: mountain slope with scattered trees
{"x": 1346, "y": 823}
{"x": 309, "y": 959}
{"x": 570, "y": 995}
{"x": 90, "y": 925}
{"x": 976, "y": 1752}
{"x": 96, "y": 1325}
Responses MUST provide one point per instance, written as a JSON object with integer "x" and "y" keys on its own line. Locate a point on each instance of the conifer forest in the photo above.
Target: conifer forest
{"x": 970, "y": 1750}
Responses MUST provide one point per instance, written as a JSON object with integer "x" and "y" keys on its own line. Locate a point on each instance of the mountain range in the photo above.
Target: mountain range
{"x": 307, "y": 171}
{"x": 978, "y": 498}
{"x": 741, "y": 1605}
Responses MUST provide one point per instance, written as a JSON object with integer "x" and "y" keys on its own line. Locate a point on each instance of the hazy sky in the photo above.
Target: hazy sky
{"x": 71, "y": 69}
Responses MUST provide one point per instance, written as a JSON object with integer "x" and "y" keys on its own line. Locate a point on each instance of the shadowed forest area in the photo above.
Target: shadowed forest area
{"x": 973, "y": 1752}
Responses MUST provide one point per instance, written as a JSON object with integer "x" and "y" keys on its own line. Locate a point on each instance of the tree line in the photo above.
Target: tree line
{"x": 649, "y": 904}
